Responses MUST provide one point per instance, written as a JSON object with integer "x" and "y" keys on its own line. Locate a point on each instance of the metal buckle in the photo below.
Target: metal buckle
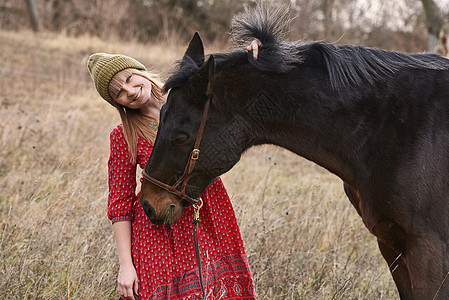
{"x": 196, "y": 210}
{"x": 195, "y": 154}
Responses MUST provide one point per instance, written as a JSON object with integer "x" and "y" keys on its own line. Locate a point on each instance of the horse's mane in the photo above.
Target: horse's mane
{"x": 186, "y": 69}
{"x": 279, "y": 57}
{"x": 346, "y": 65}
{"x": 353, "y": 65}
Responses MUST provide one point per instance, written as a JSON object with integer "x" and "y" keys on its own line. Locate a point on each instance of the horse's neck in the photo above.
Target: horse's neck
{"x": 327, "y": 131}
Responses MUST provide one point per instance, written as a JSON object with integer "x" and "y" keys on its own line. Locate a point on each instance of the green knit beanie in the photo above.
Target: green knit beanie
{"x": 102, "y": 67}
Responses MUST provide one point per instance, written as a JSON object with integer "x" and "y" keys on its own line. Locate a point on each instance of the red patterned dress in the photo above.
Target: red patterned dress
{"x": 163, "y": 256}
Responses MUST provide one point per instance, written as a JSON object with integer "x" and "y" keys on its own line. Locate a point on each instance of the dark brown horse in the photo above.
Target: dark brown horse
{"x": 377, "y": 119}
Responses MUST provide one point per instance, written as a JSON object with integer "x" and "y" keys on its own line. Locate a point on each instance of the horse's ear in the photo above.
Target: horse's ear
{"x": 211, "y": 73}
{"x": 203, "y": 81}
{"x": 195, "y": 50}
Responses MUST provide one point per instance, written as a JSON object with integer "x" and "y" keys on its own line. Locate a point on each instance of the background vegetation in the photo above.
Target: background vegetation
{"x": 303, "y": 238}
{"x": 400, "y": 24}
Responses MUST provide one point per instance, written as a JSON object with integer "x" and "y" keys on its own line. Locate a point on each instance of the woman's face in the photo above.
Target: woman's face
{"x": 130, "y": 89}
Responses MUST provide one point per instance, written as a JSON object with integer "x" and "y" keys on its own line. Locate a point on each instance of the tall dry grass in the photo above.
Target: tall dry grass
{"x": 303, "y": 238}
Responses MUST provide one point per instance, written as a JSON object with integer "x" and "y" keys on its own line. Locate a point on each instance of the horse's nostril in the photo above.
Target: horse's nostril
{"x": 170, "y": 213}
{"x": 149, "y": 211}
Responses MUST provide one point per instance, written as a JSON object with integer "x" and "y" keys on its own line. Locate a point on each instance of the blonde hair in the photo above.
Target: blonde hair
{"x": 134, "y": 123}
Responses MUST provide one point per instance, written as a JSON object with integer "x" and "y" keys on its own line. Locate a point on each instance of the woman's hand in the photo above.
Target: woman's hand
{"x": 255, "y": 47}
{"x": 127, "y": 282}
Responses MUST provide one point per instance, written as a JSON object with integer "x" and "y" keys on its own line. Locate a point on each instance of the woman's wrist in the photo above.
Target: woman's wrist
{"x": 126, "y": 263}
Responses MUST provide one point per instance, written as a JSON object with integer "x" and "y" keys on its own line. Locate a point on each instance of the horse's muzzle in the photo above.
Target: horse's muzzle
{"x": 151, "y": 213}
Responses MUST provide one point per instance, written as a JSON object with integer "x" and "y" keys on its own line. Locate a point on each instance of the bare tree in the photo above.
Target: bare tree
{"x": 437, "y": 23}
{"x": 34, "y": 15}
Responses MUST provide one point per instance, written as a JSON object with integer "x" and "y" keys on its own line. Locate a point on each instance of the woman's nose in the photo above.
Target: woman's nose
{"x": 129, "y": 90}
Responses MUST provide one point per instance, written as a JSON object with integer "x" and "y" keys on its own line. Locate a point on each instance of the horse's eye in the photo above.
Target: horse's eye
{"x": 181, "y": 139}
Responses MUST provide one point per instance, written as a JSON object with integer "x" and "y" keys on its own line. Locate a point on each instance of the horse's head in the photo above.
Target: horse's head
{"x": 190, "y": 88}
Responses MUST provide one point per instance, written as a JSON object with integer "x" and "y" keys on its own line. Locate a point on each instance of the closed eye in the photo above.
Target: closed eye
{"x": 180, "y": 139}
{"x": 127, "y": 80}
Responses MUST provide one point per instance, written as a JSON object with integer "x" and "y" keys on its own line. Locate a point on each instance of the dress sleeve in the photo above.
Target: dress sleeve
{"x": 121, "y": 179}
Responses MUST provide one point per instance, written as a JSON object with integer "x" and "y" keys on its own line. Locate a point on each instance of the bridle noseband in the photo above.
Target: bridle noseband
{"x": 194, "y": 155}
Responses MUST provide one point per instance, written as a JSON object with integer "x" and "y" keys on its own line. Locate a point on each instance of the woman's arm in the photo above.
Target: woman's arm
{"x": 121, "y": 178}
{"x": 122, "y": 186}
{"x": 127, "y": 280}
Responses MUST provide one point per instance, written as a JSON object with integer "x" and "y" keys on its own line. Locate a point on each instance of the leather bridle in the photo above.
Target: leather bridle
{"x": 181, "y": 193}
{"x": 194, "y": 155}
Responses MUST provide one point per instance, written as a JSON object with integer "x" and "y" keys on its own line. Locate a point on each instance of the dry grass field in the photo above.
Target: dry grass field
{"x": 303, "y": 238}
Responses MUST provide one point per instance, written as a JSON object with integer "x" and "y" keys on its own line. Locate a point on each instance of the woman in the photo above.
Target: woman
{"x": 156, "y": 261}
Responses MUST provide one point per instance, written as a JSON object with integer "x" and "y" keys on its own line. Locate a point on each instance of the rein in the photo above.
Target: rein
{"x": 198, "y": 202}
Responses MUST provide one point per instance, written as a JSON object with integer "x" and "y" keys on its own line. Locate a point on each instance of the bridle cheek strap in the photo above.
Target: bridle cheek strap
{"x": 194, "y": 155}
{"x": 197, "y": 203}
